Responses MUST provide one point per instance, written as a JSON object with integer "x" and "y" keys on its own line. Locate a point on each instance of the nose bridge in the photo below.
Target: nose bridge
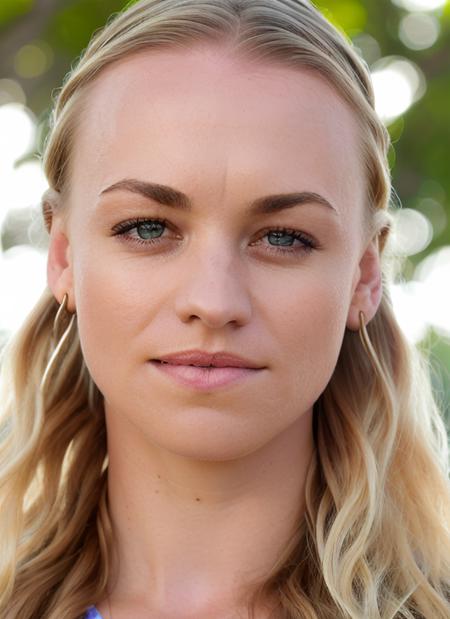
{"x": 213, "y": 284}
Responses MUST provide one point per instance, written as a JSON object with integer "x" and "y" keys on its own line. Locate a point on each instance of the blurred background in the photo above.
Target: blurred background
{"x": 406, "y": 44}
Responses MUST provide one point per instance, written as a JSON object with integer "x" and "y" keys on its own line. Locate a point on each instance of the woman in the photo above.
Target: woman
{"x": 219, "y": 196}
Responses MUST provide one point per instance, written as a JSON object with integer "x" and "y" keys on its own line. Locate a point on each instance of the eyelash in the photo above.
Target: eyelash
{"x": 123, "y": 227}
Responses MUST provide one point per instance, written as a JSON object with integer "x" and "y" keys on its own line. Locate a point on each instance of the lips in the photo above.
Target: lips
{"x": 199, "y": 358}
{"x": 205, "y": 379}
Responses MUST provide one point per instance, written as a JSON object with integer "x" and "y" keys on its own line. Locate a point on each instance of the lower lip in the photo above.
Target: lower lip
{"x": 205, "y": 379}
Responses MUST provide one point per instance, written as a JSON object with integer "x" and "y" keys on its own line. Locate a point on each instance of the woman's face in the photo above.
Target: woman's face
{"x": 216, "y": 276}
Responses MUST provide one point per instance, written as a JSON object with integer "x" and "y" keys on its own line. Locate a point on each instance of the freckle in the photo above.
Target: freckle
{"x": 156, "y": 491}
{"x": 159, "y": 476}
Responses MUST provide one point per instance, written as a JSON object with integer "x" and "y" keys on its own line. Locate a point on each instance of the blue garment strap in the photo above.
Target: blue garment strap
{"x": 92, "y": 613}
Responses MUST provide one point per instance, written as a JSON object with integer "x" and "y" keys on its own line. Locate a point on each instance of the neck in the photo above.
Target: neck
{"x": 193, "y": 537}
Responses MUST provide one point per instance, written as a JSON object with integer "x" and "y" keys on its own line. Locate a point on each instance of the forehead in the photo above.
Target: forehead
{"x": 201, "y": 118}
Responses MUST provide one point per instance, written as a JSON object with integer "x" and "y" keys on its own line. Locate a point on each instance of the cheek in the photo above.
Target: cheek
{"x": 313, "y": 302}
{"x": 113, "y": 306}
{"x": 310, "y": 329}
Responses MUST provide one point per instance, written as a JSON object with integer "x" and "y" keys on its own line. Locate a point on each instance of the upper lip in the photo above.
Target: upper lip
{"x": 220, "y": 359}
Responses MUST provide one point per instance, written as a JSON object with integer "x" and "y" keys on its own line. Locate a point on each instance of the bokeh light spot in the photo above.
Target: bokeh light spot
{"x": 409, "y": 305}
{"x": 419, "y": 30}
{"x": 17, "y": 129}
{"x": 433, "y": 272}
{"x": 412, "y": 232}
{"x": 368, "y": 47}
{"x": 398, "y": 83}
{"x": 33, "y": 59}
{"x": 420, "y": 5}
{"x": 23, "y": 186}
{"x": 25, "y": 265}
{"x": 11, "y": 92}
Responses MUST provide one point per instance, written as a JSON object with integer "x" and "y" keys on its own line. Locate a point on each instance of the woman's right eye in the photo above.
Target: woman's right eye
{"x": 148, "y": 229}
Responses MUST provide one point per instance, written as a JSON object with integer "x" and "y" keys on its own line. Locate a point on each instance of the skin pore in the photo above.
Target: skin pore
{"x": 206, "y": 488}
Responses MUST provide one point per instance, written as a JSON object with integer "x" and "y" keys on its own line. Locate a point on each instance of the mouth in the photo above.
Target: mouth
{"x": 204, "y": 378}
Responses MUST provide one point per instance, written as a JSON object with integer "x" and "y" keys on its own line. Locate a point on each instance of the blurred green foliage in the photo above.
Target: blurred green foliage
{"x": 11, "y": 9}
{"x": 421, "y": 137}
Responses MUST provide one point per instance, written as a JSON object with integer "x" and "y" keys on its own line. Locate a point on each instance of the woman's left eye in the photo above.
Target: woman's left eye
{"x": 149, "y": 232}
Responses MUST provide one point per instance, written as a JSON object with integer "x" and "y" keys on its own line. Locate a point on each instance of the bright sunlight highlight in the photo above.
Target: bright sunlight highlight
{"x": 398, "y": 83}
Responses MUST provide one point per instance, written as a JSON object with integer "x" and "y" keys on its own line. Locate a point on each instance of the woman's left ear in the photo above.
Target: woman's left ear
{"x": 368, "y": 289}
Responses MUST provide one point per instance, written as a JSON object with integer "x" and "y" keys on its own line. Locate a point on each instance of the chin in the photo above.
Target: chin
{"x": 207, "y": 442}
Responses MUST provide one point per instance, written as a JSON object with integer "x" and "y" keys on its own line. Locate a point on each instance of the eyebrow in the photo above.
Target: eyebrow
{"x": 169, "y": 196}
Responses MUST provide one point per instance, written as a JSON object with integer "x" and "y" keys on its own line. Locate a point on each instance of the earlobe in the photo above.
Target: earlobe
{"x": 368, "y": 290}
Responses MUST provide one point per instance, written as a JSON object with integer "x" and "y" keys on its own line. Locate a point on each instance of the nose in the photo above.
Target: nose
{"x": 213, "y": 289}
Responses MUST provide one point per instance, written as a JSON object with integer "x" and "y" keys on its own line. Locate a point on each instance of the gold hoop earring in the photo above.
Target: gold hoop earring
{"x": 56, "y": 327}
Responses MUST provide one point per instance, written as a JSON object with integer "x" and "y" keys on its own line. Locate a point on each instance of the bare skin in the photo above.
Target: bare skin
{"x": 206, "y": 488}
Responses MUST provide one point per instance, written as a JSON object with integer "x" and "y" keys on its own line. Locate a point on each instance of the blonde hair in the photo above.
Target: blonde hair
{"x": 374, "y": 540}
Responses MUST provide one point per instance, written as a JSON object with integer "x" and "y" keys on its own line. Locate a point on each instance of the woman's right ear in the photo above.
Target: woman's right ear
{"x": 59, "y": 260}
